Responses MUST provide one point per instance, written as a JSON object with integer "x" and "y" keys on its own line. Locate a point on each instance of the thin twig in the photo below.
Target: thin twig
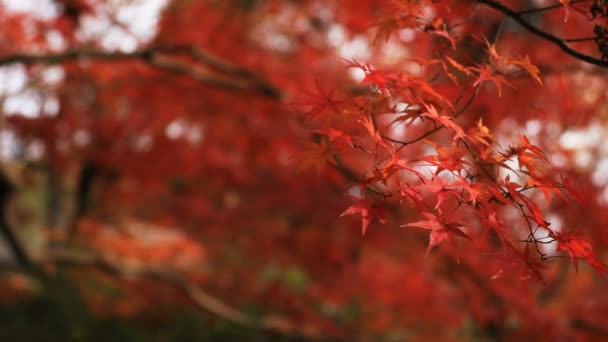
{"x": 559, "y": 42}
{"x": 548, "y": 8}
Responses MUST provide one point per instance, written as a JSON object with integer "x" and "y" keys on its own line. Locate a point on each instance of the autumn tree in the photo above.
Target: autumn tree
{"x": 321, "y": 169}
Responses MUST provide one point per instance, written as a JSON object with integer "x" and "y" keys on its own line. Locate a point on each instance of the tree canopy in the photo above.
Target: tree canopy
{"x": 363, "y": 169}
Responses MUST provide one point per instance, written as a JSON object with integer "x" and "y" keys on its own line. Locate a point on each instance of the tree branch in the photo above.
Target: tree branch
{"x": 559, "y": 42}
{"x": 87, "y": 176}
{"x": 585, "y": 326}
{"x": 201, "y": 299}
{"x": 227, "y": 76}
{"x": 16, "y": 247}
{"x": 436, "y": 129}
{"x": 548, "y": 8}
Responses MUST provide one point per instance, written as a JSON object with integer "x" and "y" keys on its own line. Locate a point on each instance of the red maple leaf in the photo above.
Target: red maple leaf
{"x": 488, "y": 73}
{"x": 530, "y": 68}
{"x": 334, "y": 135}
{"x": 446, "y": 159}
{"x": 368, "y": 211}
{"x": 579, "y": 248}
{"x": 442, "y": 189}
{"x": 441, "y": 230}
{"x": 370, "y": 126}
{"x": 444, "y": 120}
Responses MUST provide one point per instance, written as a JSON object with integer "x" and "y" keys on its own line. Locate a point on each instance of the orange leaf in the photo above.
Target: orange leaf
{"x": 530, "y": 68}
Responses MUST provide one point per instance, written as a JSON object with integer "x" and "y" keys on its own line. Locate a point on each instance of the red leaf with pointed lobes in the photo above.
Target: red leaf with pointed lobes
{"x": 410, "y": 114}
{"x": 368, "y": 211}
{"x": 530, "y": 162}
{"x": 514, "y": 191}
{"x": 380, "y": 79}
{"x": 316, "y": 156}
{"x": 393, "y": 165}
{"x": 322, "y": 101}
{"x": 525, "y": 144}
{"x": 442, "y": 189}
{"x": 478, "y": 192}
{"x": 386, "y": 27}
{"x": 370, "y": 126}
{"x": 491, "y": 221}
{"x": 441, "y": 230}
{"x": 568, "y": 184}
{"x": 491, "y": 49}
{"x": 409, "y": 192}
{"x": 416, "y": 89}
{"x": 446, "y": 159}
{"x": 528, "y": 156}
{"x": 460, "y": 67}
{"x": 488, "y": 73}
{"x": 480, "y": 134}
{"x": 490, "y": 156}
{"x": 220, "y": 143}
{"x": 579, "y": 248}
{"x": 530, "y": 68}
{"x": 403, "y": 165}
{"x": 525, "y": 261}
{"x": 444, "y": 120}
{"x": 439, "y": 28}
{"x": 547, "y": 186}
{"x": 334, "y": 135}
{"x": 401, "y": 15}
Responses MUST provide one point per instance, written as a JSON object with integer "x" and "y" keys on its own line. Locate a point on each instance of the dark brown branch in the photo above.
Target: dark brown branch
{"x": 540, "y": 9}
{"x": 89, "y": 172}
{"x": 579, "y": 40}
{"x": 559, "y": 42}
{"x": 548, "y": 8}
{"x": 80, "y": 258}
{"x": 201, "y": 299}
{"x": 226, "y": 75}
{"x": 53, "y": 198}
{"x": 57, "y": 58}
{"x": 178, "y": 67}
{"x": 585, "y": 326}
{"x": 16, "y": 247}
{"x": 213, "y": 62}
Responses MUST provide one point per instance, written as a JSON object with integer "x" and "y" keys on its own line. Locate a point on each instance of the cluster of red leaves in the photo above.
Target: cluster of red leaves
{"x": 419, "y": 143}
{"x": 465, "y": 186}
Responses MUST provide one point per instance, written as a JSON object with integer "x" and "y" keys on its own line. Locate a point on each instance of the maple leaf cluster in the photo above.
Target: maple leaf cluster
{"x": 361, "y": 169}
{"x": 466, "y": 175}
